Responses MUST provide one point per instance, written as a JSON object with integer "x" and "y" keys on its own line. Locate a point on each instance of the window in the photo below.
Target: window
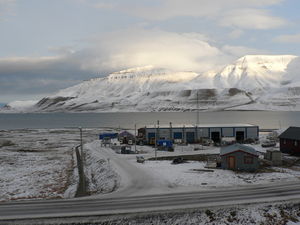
{"x": 248, "y": 159}
{"x": 284, "y": 141}
{"x": 296, "y": 143}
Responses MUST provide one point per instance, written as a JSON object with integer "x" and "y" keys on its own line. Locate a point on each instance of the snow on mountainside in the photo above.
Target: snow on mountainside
{"x": 254, "y": 72}
{"x": 253, "y": 82}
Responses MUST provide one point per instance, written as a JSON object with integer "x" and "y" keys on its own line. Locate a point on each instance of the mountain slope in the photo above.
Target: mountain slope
{"x": 255, "y": 72}
{"x": 258, "y": 82}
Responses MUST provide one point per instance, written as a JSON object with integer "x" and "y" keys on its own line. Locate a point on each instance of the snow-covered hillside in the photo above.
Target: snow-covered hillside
{"x": 253, "y": 82}
{"x": 255, "y": 72}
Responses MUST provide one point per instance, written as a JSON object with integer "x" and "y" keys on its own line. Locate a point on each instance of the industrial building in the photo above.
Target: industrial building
{"x": 195, "y": 133}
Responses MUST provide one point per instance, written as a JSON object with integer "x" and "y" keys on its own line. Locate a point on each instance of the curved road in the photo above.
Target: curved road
{"x": 134, "y": 181}
{"x": 109, "y": 206}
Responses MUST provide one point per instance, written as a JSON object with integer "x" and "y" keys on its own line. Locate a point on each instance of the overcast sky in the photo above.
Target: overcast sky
{"x": 47, "y": 45}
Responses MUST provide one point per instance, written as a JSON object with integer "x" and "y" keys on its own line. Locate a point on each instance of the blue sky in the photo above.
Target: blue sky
{"x": 47, "y": 45}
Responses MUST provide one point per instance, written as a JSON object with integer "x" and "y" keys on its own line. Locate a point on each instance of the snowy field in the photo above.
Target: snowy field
{"x": 41, "y": 163}
{"x": 194, "y": 174}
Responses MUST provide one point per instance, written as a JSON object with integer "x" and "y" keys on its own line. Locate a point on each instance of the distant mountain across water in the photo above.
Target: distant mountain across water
{"x": 253, "y": 82}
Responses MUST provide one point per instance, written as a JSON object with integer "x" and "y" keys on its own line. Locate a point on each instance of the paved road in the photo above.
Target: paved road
{"x": 89, "y": 207}
{"x": 134, "y": 181}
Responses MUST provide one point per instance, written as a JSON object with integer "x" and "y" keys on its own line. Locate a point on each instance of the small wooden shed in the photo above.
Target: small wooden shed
{"x": 239, "y": 157}
{"x": 274, "y": 156}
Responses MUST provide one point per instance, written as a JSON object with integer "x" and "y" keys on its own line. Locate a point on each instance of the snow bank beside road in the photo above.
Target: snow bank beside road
{"x": 99, "y": 173}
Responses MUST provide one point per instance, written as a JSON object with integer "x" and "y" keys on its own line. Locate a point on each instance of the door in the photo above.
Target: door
{"x": 151, "y": 138}
{"x": 177, "y": 135}
{"x": 190, "y": 137}
{"x": 231, "y": 162}
{"x": 215, "y": 136}
{"x": 240, "y": 136}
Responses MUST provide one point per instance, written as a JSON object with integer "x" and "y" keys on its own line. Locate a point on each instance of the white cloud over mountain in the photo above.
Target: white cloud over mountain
{"x": 231, "y": 13}
{"x": 139, "y": 47}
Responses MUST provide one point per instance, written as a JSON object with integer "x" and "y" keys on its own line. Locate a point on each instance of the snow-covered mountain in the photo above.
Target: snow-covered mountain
{"x": 253, "y": 82}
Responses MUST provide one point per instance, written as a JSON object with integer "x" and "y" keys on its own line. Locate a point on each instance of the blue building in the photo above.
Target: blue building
{"x": 108, "y": 135}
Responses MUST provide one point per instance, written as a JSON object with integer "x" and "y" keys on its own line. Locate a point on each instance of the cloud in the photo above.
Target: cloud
{"x": 235, "y": 34}
{"x": 251, "y": 19}
{"x": 230, "y": 13}
{"x": 27, "y": 76}
{"x": 292, "y": 38}
{"x": 239, "y": 51}
{"x": 6, "y": 7}
{"x": 140, "y": 47}
{"x": 24, "y": 77}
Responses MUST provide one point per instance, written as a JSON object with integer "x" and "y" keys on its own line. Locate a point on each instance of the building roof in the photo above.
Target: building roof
{"x": 125, "y": 133}
{"x": 201, "y": 125}
{"x": 238, "y": 147}
{"x": 291, "y": 133}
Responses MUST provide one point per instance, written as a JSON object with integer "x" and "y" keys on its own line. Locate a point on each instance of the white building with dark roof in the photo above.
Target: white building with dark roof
{"x": 194, "y": 133}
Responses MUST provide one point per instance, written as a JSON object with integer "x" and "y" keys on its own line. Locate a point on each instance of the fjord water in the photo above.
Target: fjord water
{"x": 264, "y": 119}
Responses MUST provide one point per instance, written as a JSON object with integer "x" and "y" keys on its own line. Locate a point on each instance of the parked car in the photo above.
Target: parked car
{"x": 207, "y": 142}
{"x": 140, "y": 159}
{"x": 267, "y": 144}
{"x": 178, "y": 160}
{"x": 126, "y": 150}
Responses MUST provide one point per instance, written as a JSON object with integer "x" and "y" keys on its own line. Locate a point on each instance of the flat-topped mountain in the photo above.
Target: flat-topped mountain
{"x": 253, "y": 82}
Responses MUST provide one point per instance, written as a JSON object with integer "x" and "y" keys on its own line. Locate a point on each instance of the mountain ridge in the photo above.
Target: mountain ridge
{"x": 253, "y": 82}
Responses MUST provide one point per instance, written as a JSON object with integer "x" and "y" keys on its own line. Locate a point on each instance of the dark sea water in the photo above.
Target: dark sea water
{"x": 264, "y": 119}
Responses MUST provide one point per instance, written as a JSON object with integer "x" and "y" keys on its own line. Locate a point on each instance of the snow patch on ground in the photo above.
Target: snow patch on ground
{"x": 263, "y": 214}
{"x": 195, "y": 174}
{"x": 39, "y": 163}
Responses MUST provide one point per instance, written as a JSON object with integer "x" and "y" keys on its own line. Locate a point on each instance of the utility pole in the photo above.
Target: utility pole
{"x": 156, "y": 138}
{"x": 81, "y": 142}
{"x": 135, "y": 137}
{"x": 155, "y": 143}
{"x": 158, "y": 128}
{"x": 171, "y": 139}
{"x": 197, "y": 107}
